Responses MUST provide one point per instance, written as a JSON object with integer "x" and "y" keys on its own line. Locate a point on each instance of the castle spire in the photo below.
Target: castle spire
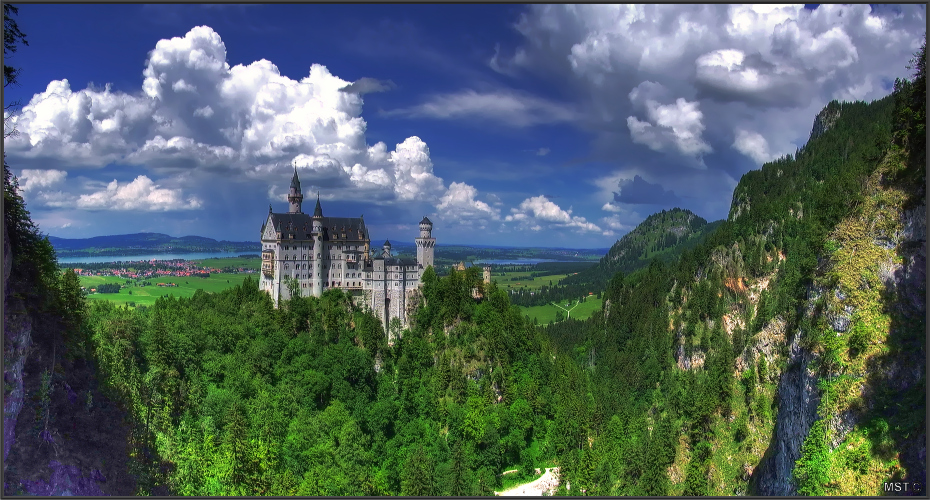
{"x": 318, "y": 211}
{"x": 295, "y": 181}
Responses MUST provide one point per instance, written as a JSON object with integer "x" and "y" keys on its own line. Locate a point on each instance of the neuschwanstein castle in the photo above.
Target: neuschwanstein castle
{"x": 334, "y": 252}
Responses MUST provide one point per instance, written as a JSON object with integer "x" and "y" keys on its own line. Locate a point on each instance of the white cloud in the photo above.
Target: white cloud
{"x": 754, "y": 67}
{"x": 195, "y": 111}
{"x": 502, "y": 106}
{"x": 140, "y": 194}
{"x": 610, "y": 207}
{"x": 413, "y": 171}
{"x": 31, "y": 180}
{"x": 538, "y": 212}
{"x": 459, "y": 204}
{"x": 677, "y": 125}
{"x": 752, "y": 145}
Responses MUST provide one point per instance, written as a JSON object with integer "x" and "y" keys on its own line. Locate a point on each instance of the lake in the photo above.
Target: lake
{"x": 147, "y": 257}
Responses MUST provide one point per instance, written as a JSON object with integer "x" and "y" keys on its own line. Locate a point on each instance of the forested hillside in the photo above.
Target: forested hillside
{"x": 663, "y": 235}
{"x": 230, "y": 396}
{"x": 788, "y": 347}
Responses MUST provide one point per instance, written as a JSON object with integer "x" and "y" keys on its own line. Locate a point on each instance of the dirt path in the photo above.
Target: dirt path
{"x": 547, "y": 483}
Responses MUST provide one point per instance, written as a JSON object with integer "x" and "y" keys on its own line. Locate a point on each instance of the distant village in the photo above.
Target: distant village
{"x": 153, "y": 269}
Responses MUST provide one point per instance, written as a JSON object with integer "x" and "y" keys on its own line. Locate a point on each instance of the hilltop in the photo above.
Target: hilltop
{"x": 663, "y": 235}
{"x": 140, "y": 243}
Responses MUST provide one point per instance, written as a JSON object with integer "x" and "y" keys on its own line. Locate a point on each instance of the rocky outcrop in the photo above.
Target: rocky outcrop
{"x": 825, "y": 119}
{"x": 797, "y": 410}
{"x": 66, "y": 480}
{"x": 17, "y": 329}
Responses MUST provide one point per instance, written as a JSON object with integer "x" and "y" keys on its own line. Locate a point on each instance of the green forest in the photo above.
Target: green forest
{"x": 673, "y": 388}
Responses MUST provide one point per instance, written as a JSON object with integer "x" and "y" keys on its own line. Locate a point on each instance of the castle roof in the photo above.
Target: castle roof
{"x": 318, "y": 211}
{"x": 295, "y": 182}
{"x": 301, "y": 225}
{"x": 387, "y": 243}
{"x": 426, "y": 221}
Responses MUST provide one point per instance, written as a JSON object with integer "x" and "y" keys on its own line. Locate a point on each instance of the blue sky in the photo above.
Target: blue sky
{"x": 505, "y": 124}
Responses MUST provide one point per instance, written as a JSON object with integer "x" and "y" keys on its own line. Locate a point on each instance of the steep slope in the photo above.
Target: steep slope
{"x": 62, "y": 435}
{"x": 786, "y": 345}
{"x": 663, "y": 235}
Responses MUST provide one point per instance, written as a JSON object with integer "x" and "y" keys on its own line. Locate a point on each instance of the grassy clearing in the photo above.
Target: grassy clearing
{"x": 146, "y": 295}
{"x": 547, "y": 313}
{"x": 524, "y": 280}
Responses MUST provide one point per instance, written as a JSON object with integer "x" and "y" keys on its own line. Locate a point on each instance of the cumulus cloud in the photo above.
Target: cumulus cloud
{"x": 459, "y": 204}
{"x": 675, "y": 126}
{"x": 32, "y": 180}
{"x": 762, "y": 68}
{"x": 538, "y": 212}
{"x": 140, "y": 194}
{"x": 508, "y": 107}
{"x": 753, "y": 145}
{"x": 195, "y": 111}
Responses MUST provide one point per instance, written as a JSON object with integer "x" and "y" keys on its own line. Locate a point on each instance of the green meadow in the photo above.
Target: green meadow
{"x": 524, "y": 280}
{"x": 146, "y": 295}
{"x": 582, "y": 311}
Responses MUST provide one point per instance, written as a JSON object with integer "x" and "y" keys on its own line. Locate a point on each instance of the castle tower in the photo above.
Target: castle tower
{"x": 425, "y": 244}
{"x": 294, "y": 196}
{"x": 386, "y": 249}
{"x": 317, "y": 255}
{"x": 487, "y": 275}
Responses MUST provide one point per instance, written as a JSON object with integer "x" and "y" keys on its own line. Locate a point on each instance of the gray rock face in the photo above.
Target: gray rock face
{"x": 66, "y": 480}
{"x": 17, "y": 329}
{"x": 797, "y": 410}
{"x": 839, "y": 321}
{"x": 825, "y": 120}
{"x": 7, "y": 259}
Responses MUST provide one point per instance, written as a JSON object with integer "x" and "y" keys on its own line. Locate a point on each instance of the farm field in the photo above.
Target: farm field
{"x": 545, "y": 314}
{"x": 146, "y": 295}
{"x": 524, "y": 281}
{"x": 222, "y": 262}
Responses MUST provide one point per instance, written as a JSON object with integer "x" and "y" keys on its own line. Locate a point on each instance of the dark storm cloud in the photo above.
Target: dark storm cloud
{"x": 368, "y": 85}
{"x": 638, "y": 191}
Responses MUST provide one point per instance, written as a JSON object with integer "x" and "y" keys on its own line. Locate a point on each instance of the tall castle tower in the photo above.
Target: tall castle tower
{"x": 317, "y": 277}
{"x": 294, "y": 196}
{"x": 425, "y": 244}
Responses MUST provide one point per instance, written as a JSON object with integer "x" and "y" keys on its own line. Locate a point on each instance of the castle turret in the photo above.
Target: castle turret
{"x": 317, "y": 256}
{"x": 425, "y": 244}
{"x": 386, "y": 249}
{"x": 294, "y": 196}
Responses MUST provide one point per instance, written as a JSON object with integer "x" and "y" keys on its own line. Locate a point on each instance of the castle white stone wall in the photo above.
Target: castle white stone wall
{"x": 326, "y": 252}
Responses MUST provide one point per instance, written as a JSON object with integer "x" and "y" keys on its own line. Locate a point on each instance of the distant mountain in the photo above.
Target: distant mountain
{"x": 139, "y": 243}
{"x": 663, "y": 235}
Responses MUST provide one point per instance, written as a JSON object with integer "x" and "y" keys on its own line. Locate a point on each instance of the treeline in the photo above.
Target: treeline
{"x": 547, "y": 294}
{"x": 108, "y": 288}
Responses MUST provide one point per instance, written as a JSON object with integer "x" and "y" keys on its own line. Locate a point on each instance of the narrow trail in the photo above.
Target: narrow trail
{"x": 547, "y": 483}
